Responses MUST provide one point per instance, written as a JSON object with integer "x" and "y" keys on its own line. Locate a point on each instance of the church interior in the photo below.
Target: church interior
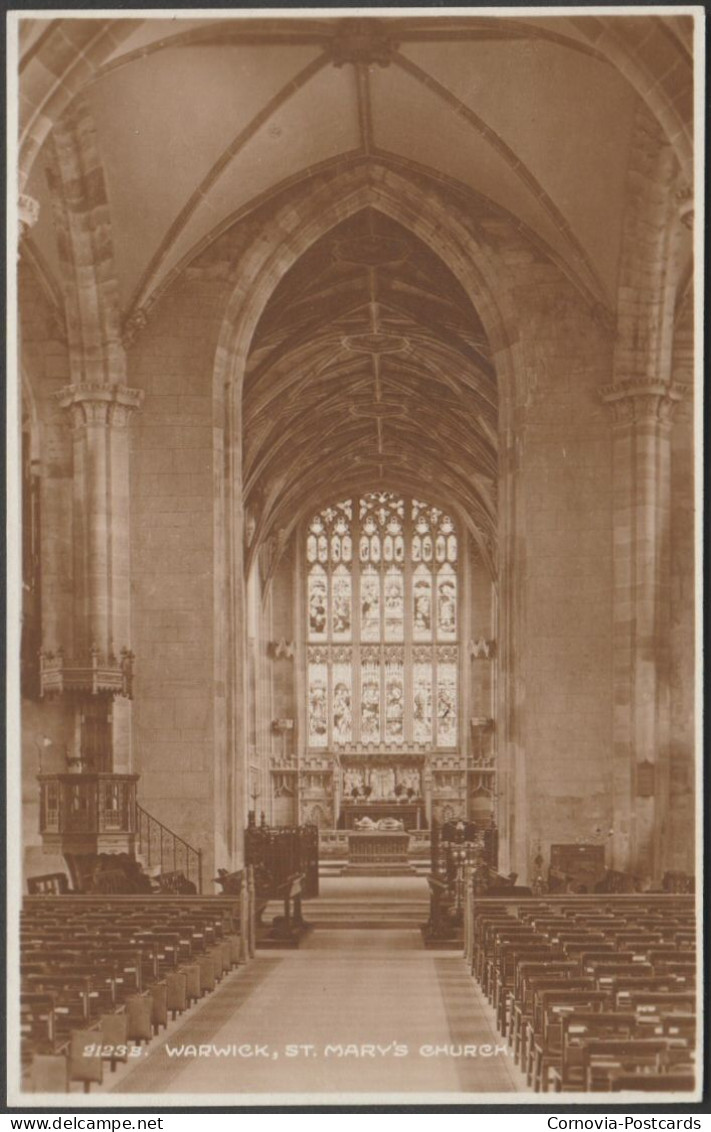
{"x": 356, "y": 443}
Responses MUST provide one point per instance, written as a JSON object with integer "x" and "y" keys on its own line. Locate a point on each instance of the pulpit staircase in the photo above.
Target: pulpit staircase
{"x": 163, "y": 854}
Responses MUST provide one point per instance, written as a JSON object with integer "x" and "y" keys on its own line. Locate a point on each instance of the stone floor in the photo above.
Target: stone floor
{"x": 352, "y": 1011}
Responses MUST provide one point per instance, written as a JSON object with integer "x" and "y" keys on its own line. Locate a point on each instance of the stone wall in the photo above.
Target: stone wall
{"x": 172, "y": 502}
{"x": 564, "y": 538}
{"x": 678, "y": 838}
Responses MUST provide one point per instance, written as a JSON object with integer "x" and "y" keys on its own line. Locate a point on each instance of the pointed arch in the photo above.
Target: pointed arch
{"x": 300, "y": 223}
{"x": 84, "y": 238}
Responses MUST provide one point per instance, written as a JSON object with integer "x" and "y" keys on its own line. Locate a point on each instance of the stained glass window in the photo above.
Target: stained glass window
{"x": 341, "y": 604}
{"x": 370, "y": 701}
{"x": 394, "y": 604}
{"x": 422, "y": 699}
{"x": 318, "y": 700}
{"x": 446, "y": 703}
{"x": 394, "y": 702}
{"x": 382, "y": 624}
{"x": 342, "y": 702}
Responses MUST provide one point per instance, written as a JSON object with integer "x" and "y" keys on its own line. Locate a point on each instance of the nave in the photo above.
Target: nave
{"x": 352, "y": 998}
{"x": 570, "y": 993}
{"x": 357, "y": 473}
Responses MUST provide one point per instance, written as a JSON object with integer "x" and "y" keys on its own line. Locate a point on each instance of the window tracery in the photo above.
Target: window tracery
{"x": 382, "y": 624}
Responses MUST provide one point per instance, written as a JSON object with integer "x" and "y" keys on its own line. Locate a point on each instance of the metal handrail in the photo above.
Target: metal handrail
{"x": 168, "y": 845}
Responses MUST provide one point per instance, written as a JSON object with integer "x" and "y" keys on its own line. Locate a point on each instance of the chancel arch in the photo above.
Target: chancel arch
{"x": 365, "y": 356}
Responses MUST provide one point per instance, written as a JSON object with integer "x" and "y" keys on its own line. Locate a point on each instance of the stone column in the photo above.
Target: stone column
{"x": 232, "y": 748}
{"x": 99, "y": 417}
{"x": 642, "y": 411}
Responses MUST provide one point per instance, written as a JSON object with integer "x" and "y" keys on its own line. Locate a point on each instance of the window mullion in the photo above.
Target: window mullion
{"x": 329, "y": 647}
{"x": 381, "y": 644}
{"x": 355, "y": 625}
{"x": 408, "y": 680}
{"x": 434, "y": 686}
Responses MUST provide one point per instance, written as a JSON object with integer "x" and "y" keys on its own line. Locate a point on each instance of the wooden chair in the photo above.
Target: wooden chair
{"x": 49, "y": 1074}
{"x": 138, "y": 1015}
{"x": 85, "y": 1062}
{"x": 114, "y": 1037}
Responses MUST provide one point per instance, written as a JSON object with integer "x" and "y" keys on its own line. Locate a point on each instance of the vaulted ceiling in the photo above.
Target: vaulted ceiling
{"x": 369, "y": 364}
{"x": 199, "y": 118}
{"x": 369, "y": 361}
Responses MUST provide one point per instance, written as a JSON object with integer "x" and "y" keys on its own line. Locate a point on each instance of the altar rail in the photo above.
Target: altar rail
{"x": 376, "y": 847}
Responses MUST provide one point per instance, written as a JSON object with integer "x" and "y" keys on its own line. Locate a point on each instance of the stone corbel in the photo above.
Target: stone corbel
{"x": 282, "y": 725}
{"x": 133, "y": 325}
{"x": 685, "y": 201}
{"x": 481, "y": 649}
{"x": 281, "y": 650}
{"x": 28, "y": 211}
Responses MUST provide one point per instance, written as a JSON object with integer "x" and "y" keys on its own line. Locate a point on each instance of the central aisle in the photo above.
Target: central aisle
{"x": 341, "y": 996}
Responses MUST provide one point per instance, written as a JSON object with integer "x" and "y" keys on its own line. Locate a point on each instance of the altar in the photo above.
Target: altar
{"x": 411, "y": 814}
{"x": 378, "y": 851}
{"x": 382, "y": 785}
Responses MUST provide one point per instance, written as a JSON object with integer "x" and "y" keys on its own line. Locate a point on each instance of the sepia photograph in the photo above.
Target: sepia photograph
{"x": 354, "y": 412}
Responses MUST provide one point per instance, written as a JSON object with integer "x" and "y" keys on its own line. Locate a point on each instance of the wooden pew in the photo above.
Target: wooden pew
{"x": 601, "y": 1060}
{"x": 114, "y": 967}
{"x": 630, "y": 947}
{"x": 679, "y": 1082}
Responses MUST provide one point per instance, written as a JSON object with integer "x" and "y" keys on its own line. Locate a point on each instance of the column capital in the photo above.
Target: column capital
{"x": 28, "y": 211}
{"x": 642, "y": 399}
{"x": 109, "y": 405}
